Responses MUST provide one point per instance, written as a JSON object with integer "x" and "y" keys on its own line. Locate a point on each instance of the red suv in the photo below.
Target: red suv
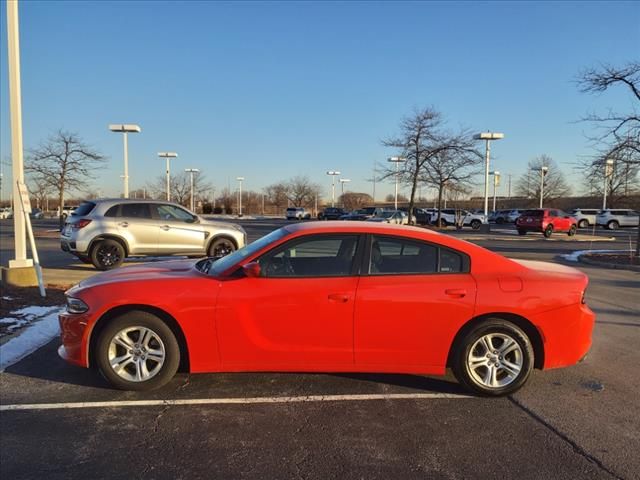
{"x": 547, "y": 221}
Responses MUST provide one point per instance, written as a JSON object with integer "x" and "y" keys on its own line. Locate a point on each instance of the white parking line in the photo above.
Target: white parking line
{"x": 233, "y": 401}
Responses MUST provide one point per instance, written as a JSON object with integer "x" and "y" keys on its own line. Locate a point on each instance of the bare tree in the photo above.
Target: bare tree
{"x": 302, "y": 192}
{"x": 40, "y": 188}
{"x": 555, "y": 185}
{"x": 277, "y": 195}
{"x": 392, "y": 198}
{"x": 622, "y": 177}
{"x": 65, "y": 163}
{"x": 431, "y": 154}
{"x": 180, "y": 185}
{"x": 355, "y": 200}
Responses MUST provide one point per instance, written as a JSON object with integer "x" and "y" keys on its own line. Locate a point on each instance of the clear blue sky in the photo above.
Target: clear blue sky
{"x": 268, "y": 90}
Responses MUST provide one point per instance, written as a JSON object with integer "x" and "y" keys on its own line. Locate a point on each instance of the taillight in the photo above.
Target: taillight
{"x": 80, "y": 224}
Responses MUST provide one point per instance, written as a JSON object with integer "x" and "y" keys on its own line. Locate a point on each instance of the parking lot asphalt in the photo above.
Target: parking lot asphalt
{"x": 578, "y": 422}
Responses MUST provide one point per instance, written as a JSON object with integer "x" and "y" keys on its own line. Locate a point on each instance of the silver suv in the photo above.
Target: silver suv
{"x": 613, "y": 219}
{"x": 585, "y": 216}
{"x": 105, "y": 232}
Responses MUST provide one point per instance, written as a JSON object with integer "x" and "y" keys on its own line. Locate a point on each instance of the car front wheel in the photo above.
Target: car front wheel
{"x": 107, "y": 254}
{"x": 583, "y": 223}
{"x": 613, "y": 225}
{"x": 548, "y": 231}
{"x": 221, "y": 247}
{"x": 475, "y": 224}
{"x": 137, "y": 351}
{"x": 495, "y": 358}
{"x": 572, "y": 230}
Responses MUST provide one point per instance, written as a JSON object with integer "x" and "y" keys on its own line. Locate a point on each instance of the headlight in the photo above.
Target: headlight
{"x": 75, "y": 305}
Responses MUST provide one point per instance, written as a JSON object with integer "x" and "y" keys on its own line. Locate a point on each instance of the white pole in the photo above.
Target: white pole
{"x": 192, "y": 203}
{"x": 541, "y": 185}
{"x": 604, "y": 196}
{"x": 486, "y": 180}
{"x": 495, "y": 181}
{"x": 333, "y": 190}
{"x": 395, "y": 203}
{"x": 240, "y": 198}
{"x": 168, "y": 182}
{"x": 374, "y": 184}
{"x": 15, "y": 104}
{"x": 126, "y": 166}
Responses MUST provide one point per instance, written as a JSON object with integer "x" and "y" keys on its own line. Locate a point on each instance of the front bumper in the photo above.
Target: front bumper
{"x": 74, "y": 335}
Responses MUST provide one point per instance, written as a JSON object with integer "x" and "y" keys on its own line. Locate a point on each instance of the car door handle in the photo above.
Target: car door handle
{"x": 339, "y": 297}
{"x": 165, "y": 227}
{"x": 124, "y": 224}
{"x": 456, "y": 292}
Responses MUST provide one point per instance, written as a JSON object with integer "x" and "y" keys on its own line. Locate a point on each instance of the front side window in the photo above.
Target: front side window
{"x": 314, "y": 256}
{"x": 173, "y": 213}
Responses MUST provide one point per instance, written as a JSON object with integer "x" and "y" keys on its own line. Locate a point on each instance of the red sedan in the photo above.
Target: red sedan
{"x": 333, "y": 297}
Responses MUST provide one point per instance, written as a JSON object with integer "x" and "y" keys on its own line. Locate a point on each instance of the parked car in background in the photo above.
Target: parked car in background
{"x": 421, "y": 216}
{"x": 297, "y": 213}
{"x": 546, "y": 221}
{"x": 5, "y": 213}
{"x": 334, "y": 297}
{"x": 66, "y": 211}
{"x": 36, "y": 214}
{"x": 616, "y": 218}
{"x": 452, "y": 216}
{"x": 585, "y": 217}
{"x": 363, "y": 213}
{"x": 331, "y": 213}
{"x": 397, "y": 217}
{"x": 105, "y": 232}
{"x": 504, "y": 216}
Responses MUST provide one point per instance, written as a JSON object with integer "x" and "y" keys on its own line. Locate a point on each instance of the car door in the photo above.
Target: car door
{"x": 411, "y": 299}
{"x": 134, "y": 223}
{"x": 178, "y": 230}
{"x": 299, "y": 312}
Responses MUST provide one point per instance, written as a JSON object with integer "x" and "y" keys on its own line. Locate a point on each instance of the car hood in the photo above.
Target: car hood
{"x": 147, "y": 271}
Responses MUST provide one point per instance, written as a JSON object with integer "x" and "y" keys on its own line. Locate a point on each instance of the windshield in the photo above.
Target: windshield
{"x": 224, "y": 263}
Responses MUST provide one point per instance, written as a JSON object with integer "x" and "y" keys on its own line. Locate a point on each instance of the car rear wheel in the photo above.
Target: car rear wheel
{"x": 475, "y": 224}
{"x": 221, "y": 247}
{"x": 522, "y": 232}
{"x": 572, "y": 230}
{"x": 613, "y": 225}
{"x": 107, "y": 254}
{"x": 495, "y": 358}
{"x": 499, "y": 220}
{"x": 548, "y": 231}
{"x": 584, "y": 223}
{"x": 137, "y": 351}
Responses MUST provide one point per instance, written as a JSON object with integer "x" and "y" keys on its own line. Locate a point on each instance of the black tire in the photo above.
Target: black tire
{"x": 107, "y": 254}
{"x": 613, "y": 225}
{"x": 475, "y": 224}
{"x": 471, "y": 343}
{"x": 148, "y": 321}
{"x": 548, "y": 231}
{"x": 584, "y": 223}
{"x": 499, "y": 220}
{"x": 572, "y": 230}
{"x": 522, "y": 232}
{"x": 221, "y": 247}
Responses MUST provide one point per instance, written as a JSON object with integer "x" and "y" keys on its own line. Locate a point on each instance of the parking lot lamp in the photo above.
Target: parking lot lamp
{"x": 240, "y": 179}
{"x": 396, "y": 160}
{"x": 496, "y": 183}
{"x": 342, "y": 182}
{"x": 168, "y": 155}
{"x": 125, "y": 129}
{"x": 487, "y": 137}
{"x": 191, "y": 171}
{"x": 543, "y": 172}
{"x": 333, "y": 174}
{"x": 608, "y": 171}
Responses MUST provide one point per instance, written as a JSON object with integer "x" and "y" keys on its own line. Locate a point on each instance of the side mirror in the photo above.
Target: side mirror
{"x": 252, "y": 269}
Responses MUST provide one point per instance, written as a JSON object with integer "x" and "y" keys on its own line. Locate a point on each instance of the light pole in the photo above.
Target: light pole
{"x": 333, "y": 174}
{"x": 125, "y": 129}
{"x": 487, "y": 136}
{"x": 168, "y": 155}
{"x": 191, "y": 171}
{"x": 496, "y": 182}
{"x": 396, "y": 160}
{"x": 240, "y": 179}
{"x": 608, "y": 171}
{"x": 342, "y": 182}
{"x": 543, "y": 171}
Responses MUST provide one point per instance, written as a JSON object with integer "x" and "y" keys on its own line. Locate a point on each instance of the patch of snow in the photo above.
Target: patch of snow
{"x": 575, "y": 256}
{"x": 32, "y": 338}
{"x": 7, "y": 298}
{"x": 35, "y": 311}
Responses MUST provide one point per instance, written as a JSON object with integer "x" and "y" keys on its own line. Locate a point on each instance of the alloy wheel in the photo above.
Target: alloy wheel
{"x": 136, "y": 354}
{"x": 495, "y": 360}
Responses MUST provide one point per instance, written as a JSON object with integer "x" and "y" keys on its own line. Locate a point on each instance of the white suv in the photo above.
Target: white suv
{"x": 613, "y": 219}
{"x": 451, "y": 216}
{"x": 585, "y": 217}
{"x": 297, "y": 213}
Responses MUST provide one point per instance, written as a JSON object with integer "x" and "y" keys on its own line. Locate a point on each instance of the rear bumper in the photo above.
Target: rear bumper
{"x": 567, "y": 334}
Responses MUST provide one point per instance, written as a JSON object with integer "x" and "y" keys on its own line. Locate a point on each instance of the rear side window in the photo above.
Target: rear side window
{"x": 85, "y": 208}
{"x": 136, "y": 210}
{"x": 532, "y": 213}
{"x": 113, "y": 211}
